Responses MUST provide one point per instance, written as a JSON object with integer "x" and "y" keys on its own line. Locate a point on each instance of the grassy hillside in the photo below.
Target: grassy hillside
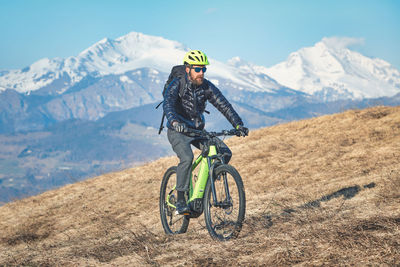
{"x": 319, "y": 191}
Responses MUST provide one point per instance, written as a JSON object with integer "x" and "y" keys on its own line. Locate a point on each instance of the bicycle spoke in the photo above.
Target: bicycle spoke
{"x": 223, "y": 224}
{"x": 180, "y": 218}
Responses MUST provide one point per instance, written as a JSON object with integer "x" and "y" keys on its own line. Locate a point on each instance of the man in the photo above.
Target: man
{"x": 184, "y": 105}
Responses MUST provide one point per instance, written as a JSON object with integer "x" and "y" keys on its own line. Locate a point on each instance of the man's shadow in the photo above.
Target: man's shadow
{"x": 347, "y": 193}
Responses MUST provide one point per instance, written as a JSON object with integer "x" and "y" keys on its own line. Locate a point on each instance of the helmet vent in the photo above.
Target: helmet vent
{"x": 195, "y": 57}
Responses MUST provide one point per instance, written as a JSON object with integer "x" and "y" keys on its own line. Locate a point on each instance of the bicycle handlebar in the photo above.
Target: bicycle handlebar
{"x": 204, "y": 133}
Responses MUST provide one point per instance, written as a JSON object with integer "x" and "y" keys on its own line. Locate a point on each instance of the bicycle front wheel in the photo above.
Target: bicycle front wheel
{"x": 225, "y": 213}
{"x": 172, "y": 223}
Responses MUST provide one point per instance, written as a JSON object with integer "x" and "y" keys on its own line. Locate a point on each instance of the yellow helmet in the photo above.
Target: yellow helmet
{"x": 195, "y": 57}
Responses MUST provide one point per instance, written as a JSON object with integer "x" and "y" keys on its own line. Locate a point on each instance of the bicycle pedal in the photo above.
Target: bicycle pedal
{"x": 185, "y": 213}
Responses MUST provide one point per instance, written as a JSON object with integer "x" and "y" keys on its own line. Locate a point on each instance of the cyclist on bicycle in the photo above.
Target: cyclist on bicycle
{"x": 184, "y": 109}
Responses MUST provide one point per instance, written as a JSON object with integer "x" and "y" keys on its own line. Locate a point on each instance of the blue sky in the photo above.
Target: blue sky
{"x": 262, "y": 32}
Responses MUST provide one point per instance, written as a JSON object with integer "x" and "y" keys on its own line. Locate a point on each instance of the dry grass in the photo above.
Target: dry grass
{"x": 323, "y": 191}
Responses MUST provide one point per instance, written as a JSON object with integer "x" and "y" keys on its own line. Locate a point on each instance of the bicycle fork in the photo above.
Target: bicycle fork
{"x": 225, "y": 203}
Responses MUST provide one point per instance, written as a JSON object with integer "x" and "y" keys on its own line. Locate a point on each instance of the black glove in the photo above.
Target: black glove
{"x": 242, "y": 131}
{"x": 180, "y": 127}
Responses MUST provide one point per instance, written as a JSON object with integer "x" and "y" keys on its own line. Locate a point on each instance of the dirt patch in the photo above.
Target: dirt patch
{"x": 143, "y": 245}
{"x": 29, "y": 232}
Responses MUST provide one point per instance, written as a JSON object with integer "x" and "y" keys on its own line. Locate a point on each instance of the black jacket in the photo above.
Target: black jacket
{"x": 188, "y": 105}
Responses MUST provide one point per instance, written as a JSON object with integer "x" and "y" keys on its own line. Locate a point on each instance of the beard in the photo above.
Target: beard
{"x": 197, "y": 79}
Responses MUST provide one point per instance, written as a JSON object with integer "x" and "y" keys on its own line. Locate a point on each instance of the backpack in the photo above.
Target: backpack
{"x": 177, "y": 72}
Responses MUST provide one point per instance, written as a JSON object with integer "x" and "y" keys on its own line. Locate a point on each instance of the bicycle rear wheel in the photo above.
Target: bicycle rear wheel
{"x": 225, "y": 214}
{"x": 172, "y": 223}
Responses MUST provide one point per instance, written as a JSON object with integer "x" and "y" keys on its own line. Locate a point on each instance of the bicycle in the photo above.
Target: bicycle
{"x": 222, "y": 198}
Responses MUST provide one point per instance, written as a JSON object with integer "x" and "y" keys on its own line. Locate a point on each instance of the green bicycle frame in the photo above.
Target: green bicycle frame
{"x": 205, "y": 163}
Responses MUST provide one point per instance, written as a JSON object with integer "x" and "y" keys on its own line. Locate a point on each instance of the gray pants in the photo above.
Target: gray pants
{"x": 181, "y": 146}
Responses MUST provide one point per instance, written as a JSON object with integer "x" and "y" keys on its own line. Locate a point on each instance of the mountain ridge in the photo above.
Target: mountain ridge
{"x": 325, "y": 69}
{"x": 126, "y": 53}
{"x": 328, "y": 67}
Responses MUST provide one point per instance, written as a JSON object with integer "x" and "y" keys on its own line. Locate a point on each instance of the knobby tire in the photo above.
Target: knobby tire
{"x": 172, "y": 223}
{"x": 225, "y": 221}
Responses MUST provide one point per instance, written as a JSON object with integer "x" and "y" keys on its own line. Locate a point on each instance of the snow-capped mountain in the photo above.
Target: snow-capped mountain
{"x": 331, "y": 71}
{"x": 127, "y": 53}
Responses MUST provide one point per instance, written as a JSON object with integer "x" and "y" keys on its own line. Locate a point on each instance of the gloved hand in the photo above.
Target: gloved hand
{"x": 243, "y": 131}
{"x": 180, "y": 127}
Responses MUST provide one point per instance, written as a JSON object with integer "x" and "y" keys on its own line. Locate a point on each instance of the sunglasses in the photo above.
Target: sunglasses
{"x": 198, "y": 69}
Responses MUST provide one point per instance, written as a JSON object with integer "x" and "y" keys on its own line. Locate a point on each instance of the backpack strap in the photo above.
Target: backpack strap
{"x": 162, "y": 119}
{"x": 162, "y": 123}
{"x": 182, "y": 86}
{"x": 159, "y": 104}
